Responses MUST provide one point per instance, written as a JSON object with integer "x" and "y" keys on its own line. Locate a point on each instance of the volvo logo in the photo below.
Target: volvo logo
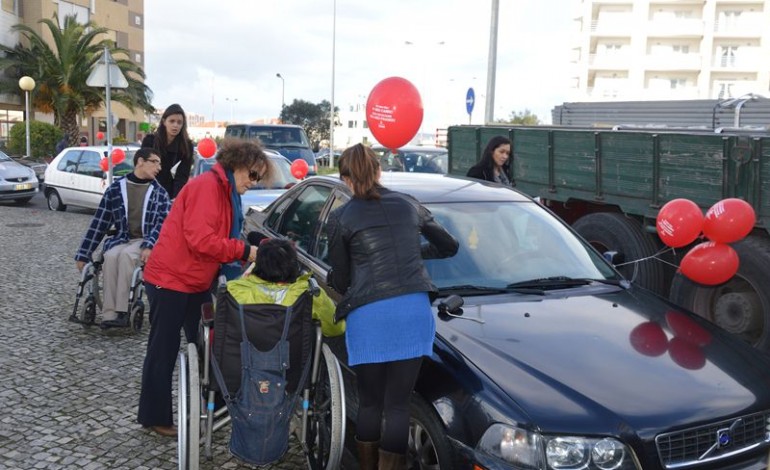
{"x": 723, "y": 438}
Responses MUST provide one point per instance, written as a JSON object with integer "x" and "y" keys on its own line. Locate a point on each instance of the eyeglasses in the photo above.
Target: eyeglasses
{"x": 153, "y": 161}
{"x": 254, "y": 175}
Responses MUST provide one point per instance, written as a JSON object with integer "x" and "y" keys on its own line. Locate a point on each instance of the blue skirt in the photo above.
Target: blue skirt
{"x": 392, "y": 329}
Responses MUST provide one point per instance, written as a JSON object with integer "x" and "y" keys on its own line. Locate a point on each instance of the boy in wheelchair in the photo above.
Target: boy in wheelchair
{"x": 137, "y": 206}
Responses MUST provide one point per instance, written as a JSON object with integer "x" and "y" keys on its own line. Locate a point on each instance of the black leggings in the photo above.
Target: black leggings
{"x": 383, "y": 392}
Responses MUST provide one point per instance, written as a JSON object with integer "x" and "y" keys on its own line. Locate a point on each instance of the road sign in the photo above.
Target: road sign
{"x": 104, "y": 68}
{"x": 470, "y": 99}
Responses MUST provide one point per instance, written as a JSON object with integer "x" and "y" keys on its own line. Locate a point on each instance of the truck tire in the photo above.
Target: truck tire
{"x": 742, "y": 304}
{"x": 613, "y": 231}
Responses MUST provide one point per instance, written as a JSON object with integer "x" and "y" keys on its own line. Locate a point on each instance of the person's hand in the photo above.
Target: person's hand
{"x": 253, "y": 254}
{"x": 145, "y": 255}
{"x": 80, "y": 265}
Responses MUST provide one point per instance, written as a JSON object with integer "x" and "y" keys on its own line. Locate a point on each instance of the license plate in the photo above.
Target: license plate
{"x": 22, "y": 187}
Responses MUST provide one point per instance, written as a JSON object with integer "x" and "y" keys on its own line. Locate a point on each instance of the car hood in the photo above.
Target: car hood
{"x": 11, "y": 170}
{"x": 577, "y": 362}
{"x": 259, "y": 198}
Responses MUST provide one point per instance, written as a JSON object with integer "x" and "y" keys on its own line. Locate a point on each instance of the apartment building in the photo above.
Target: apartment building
{"x": 125, "y": 21}
{"x": 628, "y": 50}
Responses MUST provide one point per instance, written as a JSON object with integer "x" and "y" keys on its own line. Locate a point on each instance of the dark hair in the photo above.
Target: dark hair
{"x": 161, "y": 136}
{"x": 487, "y": 162}
{"x": 234, "y": 153}
{"x": 277, "y": 261}
{"x": 360, "y": 164}
{"x": 144, "y": 153}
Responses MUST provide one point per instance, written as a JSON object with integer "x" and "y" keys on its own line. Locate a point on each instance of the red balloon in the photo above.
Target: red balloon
{"x": 104, "y": 164}
{"x": 649, "y": 339}
{"x": 688, "y": 355}
{"x": 710, "y": 263}
{"x": 99, "y": 135}
{"x": 207, "y": 147}
{"x": 685, "y": 328}
{"x": 394, "y": 112}
{"x": 729, "y": 220}
{"x": 679, "y": 222}
{"x": 299, "y": 168}
{"x": 118, "y": 156}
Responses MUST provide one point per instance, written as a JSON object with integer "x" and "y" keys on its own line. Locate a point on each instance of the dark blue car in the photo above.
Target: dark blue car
{"x": 553, "y": 361}
{"x": 286, "y": 139}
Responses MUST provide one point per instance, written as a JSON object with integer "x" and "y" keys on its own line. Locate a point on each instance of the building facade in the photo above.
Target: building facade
{"x": 670, "y": 49}
{"x": 125, "y": 21}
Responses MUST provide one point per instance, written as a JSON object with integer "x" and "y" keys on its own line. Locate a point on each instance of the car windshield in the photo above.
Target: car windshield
{"x": 279, "y": 136}
{"x": 4, "y": 157}
{"x": 416, "y": 161}
{"x": 502, "y": 244}
{"x": 282, "y": 177}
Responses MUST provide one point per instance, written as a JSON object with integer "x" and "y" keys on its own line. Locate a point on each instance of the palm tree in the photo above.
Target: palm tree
{"x": 60, "y": 72}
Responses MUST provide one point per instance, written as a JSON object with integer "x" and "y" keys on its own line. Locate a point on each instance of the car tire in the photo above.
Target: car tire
{"x": 21, "y": 201}
{"x": 428, "y": 446}
{"x": 740, "y": 305}
{"x": 613, "y": 231}
{"x": 54, "y": 201}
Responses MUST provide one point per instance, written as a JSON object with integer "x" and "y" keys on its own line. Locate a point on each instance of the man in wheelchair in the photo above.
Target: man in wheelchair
{"x": 136, "y": 205}
{"x": 276, "y": 279}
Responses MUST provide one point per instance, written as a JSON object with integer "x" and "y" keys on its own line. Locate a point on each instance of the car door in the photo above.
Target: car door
{"x": 89, "y": 182}
{"x": 64, "y": 176}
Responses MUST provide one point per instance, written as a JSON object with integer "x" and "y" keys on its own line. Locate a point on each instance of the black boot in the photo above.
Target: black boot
{"x": 368, "y": 452}
{"x": 120, "y": 322}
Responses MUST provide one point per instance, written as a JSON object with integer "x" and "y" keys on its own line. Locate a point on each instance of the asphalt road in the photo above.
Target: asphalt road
{"x": 71, "y": 393}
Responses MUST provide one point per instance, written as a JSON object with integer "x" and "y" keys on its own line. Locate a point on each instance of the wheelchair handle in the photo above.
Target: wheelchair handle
{"x": 313, "y": 287}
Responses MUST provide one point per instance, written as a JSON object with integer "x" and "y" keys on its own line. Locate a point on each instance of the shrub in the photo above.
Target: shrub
{"x": 42, "y": 137}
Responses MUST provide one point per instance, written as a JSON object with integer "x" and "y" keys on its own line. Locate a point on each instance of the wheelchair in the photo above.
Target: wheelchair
{"x": 318, "y": 421}
{"x": 90, "y": 286}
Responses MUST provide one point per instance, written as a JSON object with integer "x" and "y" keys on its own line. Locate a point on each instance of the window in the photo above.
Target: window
{"x": 680, "y": 49}
{"x": 300, "y": 220}
{"x": 727, "y": 57}
{"x": 69, "y": 162}
{"x": 70, "y": 9}
{"x": 678, "y": 83}
{"x": 323, "y": 239}
{"x": 138, "y": 58}
{"x": 89, "y": 164}
{"x": 351, "y": 124}
{"x": 137, "y": 20}
{"x": 10, "y": 6}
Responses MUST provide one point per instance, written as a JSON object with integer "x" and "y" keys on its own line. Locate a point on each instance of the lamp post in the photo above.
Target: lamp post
{"x": 331, "y": 109}
{"x": 27, "y": 84}
{"x": 283, "y": 88}
{"x": 232, "y": 101}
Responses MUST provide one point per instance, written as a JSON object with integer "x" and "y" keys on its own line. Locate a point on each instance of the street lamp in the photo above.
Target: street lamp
{"x": 232, "y": 101}
{"x": 283, "y": 87}
{"x": 27, "y": 84}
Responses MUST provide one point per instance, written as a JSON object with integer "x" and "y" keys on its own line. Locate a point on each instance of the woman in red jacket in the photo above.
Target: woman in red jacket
{"x": 199, "y": 236}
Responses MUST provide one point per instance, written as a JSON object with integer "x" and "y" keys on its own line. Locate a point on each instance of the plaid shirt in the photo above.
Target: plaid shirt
{"x": 112, "y": 211}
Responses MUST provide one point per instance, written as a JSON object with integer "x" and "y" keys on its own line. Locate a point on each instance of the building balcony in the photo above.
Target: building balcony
{"x": 675, "y": 27}
{"x": 617, "y": 27}
{"x": 743, "y": 62}
{"x": 609, "y": 61}
{"x": 744, "y": 28}
{"x": 673, "y": 62}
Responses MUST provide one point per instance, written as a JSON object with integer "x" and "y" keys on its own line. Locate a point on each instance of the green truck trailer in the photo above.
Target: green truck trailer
{"x": 610, "y": 184}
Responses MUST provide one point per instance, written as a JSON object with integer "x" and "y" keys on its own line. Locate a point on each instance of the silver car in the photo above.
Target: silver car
{"x": 18, "y": 183}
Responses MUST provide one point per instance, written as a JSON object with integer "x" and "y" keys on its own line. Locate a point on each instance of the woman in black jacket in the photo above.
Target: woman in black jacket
{"x": 376, "y": 254}
{"x": 495, "y": 163}
{"x": 174, "y": 146}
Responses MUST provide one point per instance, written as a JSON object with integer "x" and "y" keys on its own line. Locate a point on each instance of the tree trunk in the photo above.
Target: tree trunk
{"x": 69, "y": 124}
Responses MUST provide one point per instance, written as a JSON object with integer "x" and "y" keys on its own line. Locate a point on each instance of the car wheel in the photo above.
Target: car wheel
{"x": 613, "y": 231}
{"x": 54, "y": 201}
{"x": 428, "y": 446}
{"x": 22, "y": 200}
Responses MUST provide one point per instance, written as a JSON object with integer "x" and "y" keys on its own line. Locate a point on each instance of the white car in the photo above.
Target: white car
{"x": 75, "y": 177}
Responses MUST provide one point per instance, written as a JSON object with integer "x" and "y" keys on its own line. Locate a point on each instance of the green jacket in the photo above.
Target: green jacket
{"x": 254, "y": 290}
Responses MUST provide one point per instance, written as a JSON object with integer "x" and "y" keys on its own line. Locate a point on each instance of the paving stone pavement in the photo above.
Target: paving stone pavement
{"x": 71, "y": 393}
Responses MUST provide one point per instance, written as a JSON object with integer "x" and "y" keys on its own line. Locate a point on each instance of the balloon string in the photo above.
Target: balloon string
{"x": 653, "y": 256}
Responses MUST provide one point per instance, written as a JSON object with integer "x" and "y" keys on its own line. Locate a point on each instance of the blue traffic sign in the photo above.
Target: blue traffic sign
{"x": 470, "y": 99}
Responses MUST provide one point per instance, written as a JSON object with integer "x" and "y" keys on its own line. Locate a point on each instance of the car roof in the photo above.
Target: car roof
{"x": 414, "y": 148}
{"x": 431, "y": 187}
{"x": 277, "y": 126}
{"x": 102, "y": 148}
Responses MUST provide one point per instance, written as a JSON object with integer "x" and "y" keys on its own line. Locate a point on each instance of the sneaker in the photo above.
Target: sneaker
{"x": 120, "y": 322}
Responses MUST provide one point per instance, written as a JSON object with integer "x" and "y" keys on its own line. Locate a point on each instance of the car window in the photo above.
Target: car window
{"x": 300, "y": 219}
{"x": 88, "y": 164}
{"x": 322, "y": 250}
{"x": 69, "y": 162}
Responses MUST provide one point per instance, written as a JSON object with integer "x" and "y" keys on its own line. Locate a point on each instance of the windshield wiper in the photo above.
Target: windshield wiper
{"x": 468, "y": 289}
{"x": 564, "y": 281}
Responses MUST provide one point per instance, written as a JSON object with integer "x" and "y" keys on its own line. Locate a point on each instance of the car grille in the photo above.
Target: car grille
{"x": 713, "y": 441}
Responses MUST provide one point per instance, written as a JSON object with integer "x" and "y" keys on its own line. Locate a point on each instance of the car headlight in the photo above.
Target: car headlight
{"x": 528, "y": 450}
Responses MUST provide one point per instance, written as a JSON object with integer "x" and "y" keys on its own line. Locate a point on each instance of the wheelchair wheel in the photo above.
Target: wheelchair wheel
{"x": 88, "y": 314}
{"x": 326, "y": 426}
{"x": 189, "y": 410}
{"x": 137, "y": 316}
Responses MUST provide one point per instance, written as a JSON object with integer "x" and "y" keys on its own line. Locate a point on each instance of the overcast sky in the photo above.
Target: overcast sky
{"x": 206, "y": 54}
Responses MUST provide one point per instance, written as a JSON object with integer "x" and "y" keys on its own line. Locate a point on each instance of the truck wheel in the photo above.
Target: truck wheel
{"x": 742, "y": 304}
{"x": 613, "y": 231}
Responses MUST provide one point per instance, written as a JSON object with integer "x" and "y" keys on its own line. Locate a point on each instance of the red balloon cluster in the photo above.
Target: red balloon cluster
{"x": 394, "y": 112}
{"x": 685, "y": 348}
{"x": 680, "y": 222}
{"x": 207, "y": 147}
{"x": 299, "y": 168}
{"x": 118, "y": 156}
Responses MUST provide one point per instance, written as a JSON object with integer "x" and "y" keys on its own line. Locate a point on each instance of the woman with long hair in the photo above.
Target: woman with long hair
{"x": 174, "y": 146}
{"x": 495, "y": 162}
{"x": 376, "y": 255}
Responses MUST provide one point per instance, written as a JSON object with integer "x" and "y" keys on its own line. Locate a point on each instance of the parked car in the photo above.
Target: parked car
{"x": 554, "y": 361}
{"x": 18, "y": 183}
{"x": 75, "y": 177}
{"x": 37, "y": 167}
{"x": 259, "y": 196}
{"x": 322, "y": 157}
{"x": 287, "y": 139}
{"x": 415, "y": 159}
